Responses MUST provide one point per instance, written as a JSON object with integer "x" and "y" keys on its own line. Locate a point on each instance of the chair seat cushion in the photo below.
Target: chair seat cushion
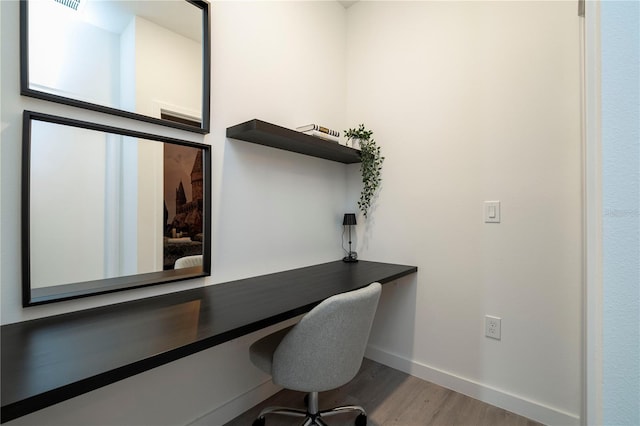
{"x": 261, "y": 351}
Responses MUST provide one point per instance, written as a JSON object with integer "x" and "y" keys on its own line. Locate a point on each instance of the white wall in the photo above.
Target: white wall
{"x": 272, "y": 210}
{"x": 61, "y": 220}
{"x": 150, "y": 226}
{"x": 56, "y": 34}
{"x": 128, "y": 67}
{"x": 269, "y": 203}
{"x": 163, "y": 57}
{"x": 475, "y": 101}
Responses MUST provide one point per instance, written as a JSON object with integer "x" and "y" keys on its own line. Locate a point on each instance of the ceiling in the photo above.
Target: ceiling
{"x": 178, "y": 16}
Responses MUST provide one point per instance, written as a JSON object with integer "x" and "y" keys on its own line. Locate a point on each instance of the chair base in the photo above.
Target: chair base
{"x": 312, "y": 416}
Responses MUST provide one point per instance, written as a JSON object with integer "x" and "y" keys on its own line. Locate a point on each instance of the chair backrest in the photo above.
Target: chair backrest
{"x": 325, "y": 349}
{"x": 188, "y": 261}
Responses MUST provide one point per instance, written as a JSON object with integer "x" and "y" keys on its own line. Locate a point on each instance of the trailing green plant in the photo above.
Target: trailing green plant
{"x": 370, "y": 167}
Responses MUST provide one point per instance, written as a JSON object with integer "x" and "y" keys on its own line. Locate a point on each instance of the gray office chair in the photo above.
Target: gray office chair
{"x": 321, "y": 352}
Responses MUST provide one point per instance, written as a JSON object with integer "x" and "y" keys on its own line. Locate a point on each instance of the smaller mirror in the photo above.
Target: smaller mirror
{"x": 141, "y": 59}
{"x": 108, "y": 209}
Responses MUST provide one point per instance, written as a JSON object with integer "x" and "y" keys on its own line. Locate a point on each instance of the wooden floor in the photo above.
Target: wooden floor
{"x": 391, "y": 398}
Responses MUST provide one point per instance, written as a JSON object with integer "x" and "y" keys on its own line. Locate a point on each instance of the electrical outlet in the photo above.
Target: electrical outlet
{"x": 492, "y": 326}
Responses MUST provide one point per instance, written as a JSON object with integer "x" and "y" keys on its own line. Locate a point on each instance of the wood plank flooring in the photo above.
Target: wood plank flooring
{"x": 391, "y": 398}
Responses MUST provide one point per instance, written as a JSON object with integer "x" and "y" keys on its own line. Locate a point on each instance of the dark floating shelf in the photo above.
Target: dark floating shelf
{"x": 263, "y": 133}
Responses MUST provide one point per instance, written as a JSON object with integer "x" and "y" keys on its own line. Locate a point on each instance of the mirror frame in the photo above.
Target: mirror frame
{"x": 108, "y": 285}
{"x": 25, "y": 90}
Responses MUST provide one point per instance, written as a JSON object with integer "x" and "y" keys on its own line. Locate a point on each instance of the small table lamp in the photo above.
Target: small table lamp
{"x": 349, "y": 220}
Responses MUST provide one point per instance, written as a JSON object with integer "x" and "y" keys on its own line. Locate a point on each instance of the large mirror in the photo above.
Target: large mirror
{"x": 107, "y": 209}
{"x": 146, "y": 60}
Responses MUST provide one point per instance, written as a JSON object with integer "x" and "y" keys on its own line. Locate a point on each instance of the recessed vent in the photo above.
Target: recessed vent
{"x": 73, "y": 4}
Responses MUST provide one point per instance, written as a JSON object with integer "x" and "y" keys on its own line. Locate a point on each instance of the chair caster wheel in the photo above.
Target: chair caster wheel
{"x": 260, "y": 422}
{"x": 361, "y": 420}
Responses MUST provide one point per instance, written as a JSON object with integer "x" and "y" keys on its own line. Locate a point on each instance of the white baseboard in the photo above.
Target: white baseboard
{"x": 238, "y": 405}
{"x": 499, "y": 398}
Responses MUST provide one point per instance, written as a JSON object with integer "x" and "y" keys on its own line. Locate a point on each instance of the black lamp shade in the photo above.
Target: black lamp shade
{"x": 349, "y": 219}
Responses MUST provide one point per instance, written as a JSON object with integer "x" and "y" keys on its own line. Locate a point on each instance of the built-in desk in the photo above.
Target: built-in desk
{"x": 49, "y": 360}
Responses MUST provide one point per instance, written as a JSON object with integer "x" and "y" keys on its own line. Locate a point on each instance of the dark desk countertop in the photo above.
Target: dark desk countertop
{"x": 49, "y": 360}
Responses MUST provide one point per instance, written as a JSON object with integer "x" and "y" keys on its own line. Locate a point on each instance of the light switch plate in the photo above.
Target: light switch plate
{"x": 492, "y": 211}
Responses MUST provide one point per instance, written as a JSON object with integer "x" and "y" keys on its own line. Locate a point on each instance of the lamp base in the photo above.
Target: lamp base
{"x": 349, "y": 259}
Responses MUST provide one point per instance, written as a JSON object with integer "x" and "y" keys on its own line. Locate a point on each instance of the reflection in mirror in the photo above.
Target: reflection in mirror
{"x": 143, "y": 59}
{"x": 107, "y": 209}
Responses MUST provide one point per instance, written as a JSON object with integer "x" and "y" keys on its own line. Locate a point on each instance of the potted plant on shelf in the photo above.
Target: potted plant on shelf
{"x": 370, "y": 167}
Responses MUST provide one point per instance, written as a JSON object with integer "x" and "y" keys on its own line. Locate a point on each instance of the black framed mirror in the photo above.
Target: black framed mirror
{"x": 107, "y": 209}
{"x": 145, "y": 60}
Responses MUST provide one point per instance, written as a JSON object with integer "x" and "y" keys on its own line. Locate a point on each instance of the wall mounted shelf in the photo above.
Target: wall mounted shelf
{"x": 263, "y": 133}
